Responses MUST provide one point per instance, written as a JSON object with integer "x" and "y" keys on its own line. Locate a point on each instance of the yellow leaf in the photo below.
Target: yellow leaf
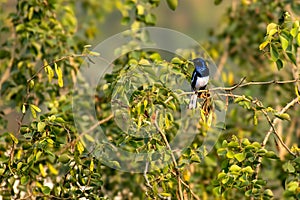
{"x": 59, "y": 75}
{"x": 16, "y": 141}
{"x": 94, "y": 53}
{"x": 23, "y": 109}
{"x": 38, "y": 155}
{"x": 92, "y": 165}
{"x": 52, "y": 169}
{"x": 80, "y": 147}
{"x": 270, "y": 27}
{"x": 144, "y": 62}
{"x": 34, "y": 109}
{"x": 263, "y": 45}
{"x": 49, "y": 71}
{"x": 37, "y": 109}
{"x": 42, "y": 170}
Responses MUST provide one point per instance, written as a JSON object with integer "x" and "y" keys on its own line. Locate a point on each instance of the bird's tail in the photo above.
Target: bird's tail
{"x": 193, "y": 101}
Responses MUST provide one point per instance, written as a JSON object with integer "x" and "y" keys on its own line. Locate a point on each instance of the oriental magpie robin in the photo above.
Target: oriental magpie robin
{"x": 199, "y": 80}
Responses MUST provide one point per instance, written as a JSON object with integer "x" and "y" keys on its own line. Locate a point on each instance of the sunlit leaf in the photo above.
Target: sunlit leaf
{"x": 59, "y": 75}
{"x": 240, "y": 157}
{"x": 92, "y": 165}
{"x": 41, "y": 126}
{"x": 284, "y": 42}
{"x": 283, "y": 116}
{"x": 263, "y": 45}
{"x": 52, "y": 169}
{"x": 271, "y": 27}
{"x": 23, "y": 109}
{"x": 172, "y": 4}
{"x": 42, "y": 170}
{"x": 16, "y": 141}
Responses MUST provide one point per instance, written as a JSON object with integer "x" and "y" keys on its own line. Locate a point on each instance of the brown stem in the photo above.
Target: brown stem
{"x": 172, "y": 156}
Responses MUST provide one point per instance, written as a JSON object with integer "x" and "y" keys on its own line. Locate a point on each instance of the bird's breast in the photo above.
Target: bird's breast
{"x": 201, "y": 82}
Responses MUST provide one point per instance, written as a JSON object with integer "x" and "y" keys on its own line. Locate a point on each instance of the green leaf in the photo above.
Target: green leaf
{"x": 24, "y": 180}
{"x": 248, "y": 169}
{"x": 272, "y": 29}
{"x": 240, "y": 157}
{"x": 150, "y": 19}
{"x": 294, "y": 32}
{"x": 234, "y": 168}
{"x": 279, "y": 64}
{"x": 221, "y": 175}
{"x": 271, "y": 154}
{"x": 217, "y": 2}
{"x": 268, "y": 193}
{"x": 41, "y": 126}
{"x": 46, "y": 190}
{"x": 288, "y": 167}
{"x": 274, "y": 53}
{"x": 176, "y": 60}
{"x": 230, "y": 154}
{"x": 64, "y": 158}
{"x": 34, "y": 109}
{"x": 283, "y": 116}
{"x": 220, "y": 105}
{"x": 284, "y": 42}
{"x": 292, "y": 57}
{"x": 38, "y": 155}
{"x": 292, "y": 186}
{"x": 4, "y": 54}
{"x": 172, "y": 4}
{"x": 144, "y": 62}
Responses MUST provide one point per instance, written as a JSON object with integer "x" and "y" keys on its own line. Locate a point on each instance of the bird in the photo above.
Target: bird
{"x": 199, "y": 81}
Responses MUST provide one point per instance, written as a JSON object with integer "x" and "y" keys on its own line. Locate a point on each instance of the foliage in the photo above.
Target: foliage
{"x": 43, "y": 48}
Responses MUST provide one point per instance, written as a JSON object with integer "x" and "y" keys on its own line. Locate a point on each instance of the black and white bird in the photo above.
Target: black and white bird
{"x": 199, "y": 80}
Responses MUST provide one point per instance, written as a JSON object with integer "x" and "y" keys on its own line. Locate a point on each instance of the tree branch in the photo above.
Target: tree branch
{"x": 272, "y": 128}
{"x": 172, "y": 155}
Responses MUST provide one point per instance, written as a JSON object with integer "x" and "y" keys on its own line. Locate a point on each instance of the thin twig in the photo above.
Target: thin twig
{"x": 272, "y": 128}
{"x": 87, "y": 131}
{"x": 172, "y": 155}
{"x": 189, "y": 188}
{"x": 20, "y": 121}
{"x": 241, "y": 84}
{"x": 148, "y": 182}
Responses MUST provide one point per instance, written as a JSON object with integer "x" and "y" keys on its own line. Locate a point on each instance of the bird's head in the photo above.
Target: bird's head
{"x": 199, "y": 62}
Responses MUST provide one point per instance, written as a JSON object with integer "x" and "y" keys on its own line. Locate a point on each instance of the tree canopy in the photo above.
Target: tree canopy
{"x": 82, "y": 119}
